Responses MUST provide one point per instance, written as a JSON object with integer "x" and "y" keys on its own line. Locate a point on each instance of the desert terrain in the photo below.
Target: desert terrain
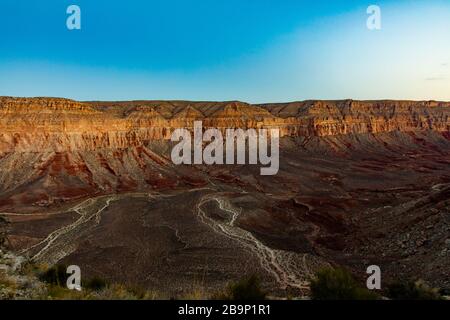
{"x": 360, "y": 183}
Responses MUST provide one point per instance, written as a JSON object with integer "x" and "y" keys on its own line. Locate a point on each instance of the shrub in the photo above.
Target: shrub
{"x": 248, "y": 288}
{"x": 95, "y": 284}
{"x": 3, "y": 225}
{"x": 338, "y": 284}
{"x": 410, "y": 290}
{"x": 56, "y": 275}
{"x": 444, "y": 292}
{"x": 122, "y": 292}
{"x": 56, "y": 292}
{"x": 138, "y": 292}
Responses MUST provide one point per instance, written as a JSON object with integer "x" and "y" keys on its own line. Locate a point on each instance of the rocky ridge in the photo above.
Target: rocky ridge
{"x": 37, "y": 124}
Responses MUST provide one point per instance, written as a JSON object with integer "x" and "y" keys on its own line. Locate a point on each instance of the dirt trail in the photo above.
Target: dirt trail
{"x": 59, "y": 243}
{"x": 288, "y": 268}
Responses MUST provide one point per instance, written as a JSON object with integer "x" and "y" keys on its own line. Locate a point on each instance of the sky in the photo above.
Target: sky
{"x": 249, "y": 50}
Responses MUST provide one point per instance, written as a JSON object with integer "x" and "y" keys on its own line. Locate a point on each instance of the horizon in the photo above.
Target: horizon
{"x": 226, "y": 51}
{"x": 221, "y": 101}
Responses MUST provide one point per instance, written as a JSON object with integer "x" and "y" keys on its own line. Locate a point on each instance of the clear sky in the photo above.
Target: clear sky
{"x": 249, "y": 50}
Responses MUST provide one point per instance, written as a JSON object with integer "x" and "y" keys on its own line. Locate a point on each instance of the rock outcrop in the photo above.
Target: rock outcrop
{"x": 37, "y": 124}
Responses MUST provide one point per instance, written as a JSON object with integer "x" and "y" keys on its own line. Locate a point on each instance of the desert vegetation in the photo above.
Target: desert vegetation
{"x": 20, "y": 279}
{"x": 339, "y": 284}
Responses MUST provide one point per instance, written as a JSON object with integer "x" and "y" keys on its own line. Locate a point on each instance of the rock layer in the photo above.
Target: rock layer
{"x": 37, "y": 124}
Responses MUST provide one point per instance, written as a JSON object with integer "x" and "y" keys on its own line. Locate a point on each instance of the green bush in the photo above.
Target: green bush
{"x": 3, "y": 225}
{"x": 95, "y": 284}
{"x": 338, "y": 284}
{"x": 411, "y": 290}
{"x": 248, "y": 288}
{"x": 444, "y": 292}
{"x": 56, "y": 275}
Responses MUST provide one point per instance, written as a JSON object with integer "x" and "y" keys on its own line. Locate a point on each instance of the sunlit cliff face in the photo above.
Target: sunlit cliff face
{"x": 46, "y": 124}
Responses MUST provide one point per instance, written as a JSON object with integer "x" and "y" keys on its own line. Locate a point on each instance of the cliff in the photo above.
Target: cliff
{"x": 37, "y": 124}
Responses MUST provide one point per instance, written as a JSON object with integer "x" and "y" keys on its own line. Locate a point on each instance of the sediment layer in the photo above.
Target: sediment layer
{"x": 37, "y": 124}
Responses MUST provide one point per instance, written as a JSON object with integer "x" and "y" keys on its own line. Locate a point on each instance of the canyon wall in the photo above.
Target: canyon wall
{"x": 37, "y": 124}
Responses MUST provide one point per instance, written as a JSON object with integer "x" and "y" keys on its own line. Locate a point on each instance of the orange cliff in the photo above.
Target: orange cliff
{"x": 39, "y": 124}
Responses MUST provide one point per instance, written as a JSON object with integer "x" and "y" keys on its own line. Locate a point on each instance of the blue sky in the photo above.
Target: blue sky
{"x": 250, "y": 50}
